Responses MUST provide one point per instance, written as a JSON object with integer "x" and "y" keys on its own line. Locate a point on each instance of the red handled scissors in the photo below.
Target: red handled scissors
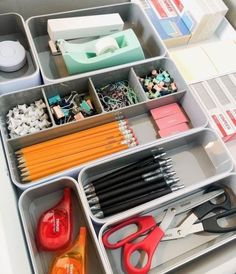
{"x": 148, "y": 226}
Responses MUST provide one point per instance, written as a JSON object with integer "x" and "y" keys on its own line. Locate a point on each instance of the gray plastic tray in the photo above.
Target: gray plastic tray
{"x": 138, "y": 115}
{"x": 37, "y": 200}
{"x": 28, "y": 75}
{"x": 174, "y": 253}
{"x": 133, "y": 17}
{"x": 198, "y": 158}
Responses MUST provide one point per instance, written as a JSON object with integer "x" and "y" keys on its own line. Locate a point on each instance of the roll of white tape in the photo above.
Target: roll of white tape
{"x": 12, "y": 56}
{"x": 106, "y": 44}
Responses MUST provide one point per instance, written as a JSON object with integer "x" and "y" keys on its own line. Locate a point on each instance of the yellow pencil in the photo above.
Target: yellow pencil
{"x": 29, "y": 160}
{"x": 64, "y": 160}
{"x": 103, "y": 134}
{"x": 69, "y": 164}
{"x": 73, "y": 136}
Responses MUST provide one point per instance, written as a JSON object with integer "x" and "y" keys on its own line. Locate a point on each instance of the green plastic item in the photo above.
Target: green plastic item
{"x": 81, "y": 58}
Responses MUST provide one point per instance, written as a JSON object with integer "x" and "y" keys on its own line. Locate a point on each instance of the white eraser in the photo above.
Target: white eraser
{"x": 84, "y": 26}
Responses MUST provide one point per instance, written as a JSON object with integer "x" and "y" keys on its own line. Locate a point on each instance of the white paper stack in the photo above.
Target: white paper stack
{"x": 194, "y": 64}
{"x": 202, "y": 17}
{"x": 223, "y": 55}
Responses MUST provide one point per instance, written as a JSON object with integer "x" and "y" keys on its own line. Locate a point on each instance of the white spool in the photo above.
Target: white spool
{"x": 12, "y": 56}
{"x": 105, "y": 45}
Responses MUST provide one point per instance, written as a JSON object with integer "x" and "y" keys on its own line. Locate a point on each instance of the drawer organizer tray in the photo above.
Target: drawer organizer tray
{"x": 133, "y": 17}
{"x": 197, "y": 158}
{"x": 37, "y": 200}
{"x": 28, "y": 76}
{"x": 172, "y": 254}
{"x": 138, "y": 115}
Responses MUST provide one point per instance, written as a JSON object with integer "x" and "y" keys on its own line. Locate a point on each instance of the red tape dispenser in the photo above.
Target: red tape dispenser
{"x": 73, "y": 260}
{"x": 54, "y": 228}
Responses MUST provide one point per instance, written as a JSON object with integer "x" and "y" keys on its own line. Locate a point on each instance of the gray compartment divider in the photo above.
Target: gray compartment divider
{"x": 134, "y": 83}
{"x": 48, "y": 107}
{"x": 94, "y": 95}
{"x": 9, "y": 101}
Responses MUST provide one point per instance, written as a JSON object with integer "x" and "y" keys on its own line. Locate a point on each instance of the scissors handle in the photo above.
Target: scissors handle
{"x": 144, "y": 224}
{"x": 211, "y": 224}
{"x": 148, "y": 245}
{"x": 208, "y": 207}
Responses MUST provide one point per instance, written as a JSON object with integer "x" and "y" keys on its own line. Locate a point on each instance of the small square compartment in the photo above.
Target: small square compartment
{"x": 27, "y": 76}
{"x": 164, "y": 64}
{"x": 9, "y": 101}
{"x": 127, "y": 77}
{"x": 63, "y": 90}
{"x": 34, "y": 202}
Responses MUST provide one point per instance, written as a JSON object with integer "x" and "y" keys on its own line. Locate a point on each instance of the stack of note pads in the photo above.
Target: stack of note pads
{"x": 205, "y": 61}
{"x": 180, "y": 22}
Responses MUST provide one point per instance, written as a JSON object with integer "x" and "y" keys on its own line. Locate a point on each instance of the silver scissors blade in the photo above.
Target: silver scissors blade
{"x": 186, "y": 227}
{"x": 187, "y": 204}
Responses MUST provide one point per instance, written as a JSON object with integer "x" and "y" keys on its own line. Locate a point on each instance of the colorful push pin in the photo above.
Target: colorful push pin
{"x": 74, "y": 259}
{"x": 54, "y": 228}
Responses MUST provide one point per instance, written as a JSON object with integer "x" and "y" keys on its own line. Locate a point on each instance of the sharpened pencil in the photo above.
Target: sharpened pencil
{"x": 27, "y": 177}
{"x": 39, "y": 157}
{"x": 74, "y": 136}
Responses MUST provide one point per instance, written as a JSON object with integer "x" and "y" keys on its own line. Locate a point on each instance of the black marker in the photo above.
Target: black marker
{"x": 157, "y": 180}
{"x": 135, "y": 202}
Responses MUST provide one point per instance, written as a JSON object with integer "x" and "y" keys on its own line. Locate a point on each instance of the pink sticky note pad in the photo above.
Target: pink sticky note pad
{"x": 171, "y": 120}
{"x": 160, "y": 112}
{"x": 173, "y": 130}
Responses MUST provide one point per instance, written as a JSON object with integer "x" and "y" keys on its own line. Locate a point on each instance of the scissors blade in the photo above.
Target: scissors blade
{"x": 186, "y": 227}
{"x": 187, "y": 204}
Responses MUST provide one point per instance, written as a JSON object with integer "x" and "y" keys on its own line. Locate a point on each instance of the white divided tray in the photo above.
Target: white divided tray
{"x": 138, "y": 115}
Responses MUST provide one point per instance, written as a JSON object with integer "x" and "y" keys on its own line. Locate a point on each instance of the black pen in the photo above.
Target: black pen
{"x": 157, "y": 180}
{"x": 142, "y": 162}
{"x": 96, "y": 190}
{"x": 134, "y": 194}
{"x": 136, "y": 172}
{"x": 135, "y": 202}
